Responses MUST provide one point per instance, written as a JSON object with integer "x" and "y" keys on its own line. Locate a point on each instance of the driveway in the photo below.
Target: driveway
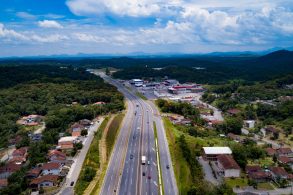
{"x": 208, "y": 173}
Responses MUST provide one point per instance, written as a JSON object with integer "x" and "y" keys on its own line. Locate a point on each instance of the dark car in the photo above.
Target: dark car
{"x": 167, "y": 166}
{"x": 149, "y": 177}
{"x": 131, "y": 156}
{"x": 71, "y": 184}
{"x": 143, "y": 173}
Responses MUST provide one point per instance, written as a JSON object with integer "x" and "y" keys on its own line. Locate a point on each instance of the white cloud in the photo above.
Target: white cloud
{"x": 49, "y": 24}
{"x": 10, "y": 34}
{"x": 26, "y": 15}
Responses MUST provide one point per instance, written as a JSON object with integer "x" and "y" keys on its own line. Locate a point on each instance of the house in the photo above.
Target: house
{"x": 44, "y": 181}
{"x": 252, "y": 168}
{"x": 8, "y": 169}
{"x": 234, "y": 137}
{"x": 51, "y": 168}
{"x": 33, "y": 173}
{"x": 227, "y": 166}
{"x": 278, "y": 172}
{"x": 249, "y": 124}
{"x": 211, "y": 153}
{"x": 271, "y": 151}
{"x": 76, "y": 129}
{"x": 284, "y": 160}
{"x": 57, "y": 156}
{"x": 260, "y": 176}
{"x": 30, "y": 120}
{"x": 284, "y": 152}
{"x": 3, "y": 183}
{"x": 233, "y": 111}
{"x": 66, "y": 143}
{"x": 19, "y": 155}
{"x": 85, "y": 122}
{"x": 15, "y": 140}
{"x": 271, "y": 130}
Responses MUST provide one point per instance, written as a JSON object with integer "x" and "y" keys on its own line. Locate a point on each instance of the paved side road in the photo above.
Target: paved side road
{"x": 77, "y": 165}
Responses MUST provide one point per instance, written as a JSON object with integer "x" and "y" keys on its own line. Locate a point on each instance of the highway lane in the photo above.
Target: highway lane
{"x": 168, "y": 176}
{"x": 131, "y": 179}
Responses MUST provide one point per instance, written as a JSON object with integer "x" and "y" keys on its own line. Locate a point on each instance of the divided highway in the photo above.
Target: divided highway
{"x": 125, "y": 174}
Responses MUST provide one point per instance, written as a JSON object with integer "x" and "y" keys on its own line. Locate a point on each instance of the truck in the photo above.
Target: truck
{"x": 143, "y": 159}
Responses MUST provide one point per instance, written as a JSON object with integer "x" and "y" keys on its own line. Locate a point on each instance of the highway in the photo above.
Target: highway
{"x": 125, "y": 173}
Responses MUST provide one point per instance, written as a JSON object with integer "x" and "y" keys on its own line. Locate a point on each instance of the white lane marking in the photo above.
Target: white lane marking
{"x": 155, "y": 183}
{"x": 154, "y": 163}
{"x": 131, "y": 181}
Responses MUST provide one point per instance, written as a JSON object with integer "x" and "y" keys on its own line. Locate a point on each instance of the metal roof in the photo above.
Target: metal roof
{"x": 217, "y": 150}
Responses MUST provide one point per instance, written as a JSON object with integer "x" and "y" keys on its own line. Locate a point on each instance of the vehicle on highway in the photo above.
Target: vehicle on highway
{"x": 72, "y": 183}
{"x": 149, "y": 162}
{"x": 135, "y": 113}
{"x": 131, "y": 156}
{"x": 143, "y": 159}
{"x": 149, "y": 177}
{"x": 143, "y": 173}
{"x": 167, "y": 166}
{"x": 137, "y": 105}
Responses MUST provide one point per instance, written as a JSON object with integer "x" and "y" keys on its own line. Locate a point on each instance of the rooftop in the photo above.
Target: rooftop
{"x": 51, "y": 166}
{"x": 227, "y": 162}
{"x": 217, "y": 150}
{"x": 52, "y": 178}
{"x": 67, "y": 139}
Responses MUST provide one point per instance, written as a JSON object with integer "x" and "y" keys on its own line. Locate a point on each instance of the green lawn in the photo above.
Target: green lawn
{"x": 112, "y": 132}
{"x": 92, "y": 159}
{"x": 141, "y": 96}
{"x": 233, "y": 182}
{"x": 268, "y": 161}
{"x": 265, "y": 186}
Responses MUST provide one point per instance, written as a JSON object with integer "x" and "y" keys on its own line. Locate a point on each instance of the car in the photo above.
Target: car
{"x": 131, "y": 156}
{"x": 72, "y": 183}
{"x": 134, "y": 137}
{"x": 143, "y": 173}
{"x": 149, "y": 177}
{"x": 149, "y": 162}
{"x": 167, "y": 166}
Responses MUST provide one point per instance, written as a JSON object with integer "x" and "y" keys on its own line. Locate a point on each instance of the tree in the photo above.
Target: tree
{"x": 83, "y": 132}
{"x": 107, "y": 71}
{"x": 233, "y": 125}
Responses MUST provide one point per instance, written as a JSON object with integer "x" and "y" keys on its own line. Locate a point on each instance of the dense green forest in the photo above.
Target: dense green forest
{"x": 47, "y": 90}
{"x": 186, "y": 68}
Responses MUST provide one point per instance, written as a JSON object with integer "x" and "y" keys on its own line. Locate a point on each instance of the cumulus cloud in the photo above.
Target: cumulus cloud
{"x": 12, "y": 35}
{"x": 49, "y": 24}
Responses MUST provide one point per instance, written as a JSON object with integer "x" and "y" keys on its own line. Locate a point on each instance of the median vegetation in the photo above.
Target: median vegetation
{"x": 112, "y": 133}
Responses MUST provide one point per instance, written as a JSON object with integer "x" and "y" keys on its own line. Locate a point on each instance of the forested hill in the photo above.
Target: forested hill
{"x": 50, "y": 91}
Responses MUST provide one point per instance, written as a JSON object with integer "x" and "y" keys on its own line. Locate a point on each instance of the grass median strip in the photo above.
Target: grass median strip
{"x": 91, "y": 163}
{"x": 159, "y": 160}
{"x": 141, "y": 96}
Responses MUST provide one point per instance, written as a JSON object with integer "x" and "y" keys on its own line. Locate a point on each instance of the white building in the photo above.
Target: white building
{"x": 249, "y": 124}
{"x": 211, "y": 153}
{"x": 136, "y": 82}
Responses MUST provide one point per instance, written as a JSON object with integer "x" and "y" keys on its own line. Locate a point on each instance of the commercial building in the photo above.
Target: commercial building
{"x": 212, "y": 153}
{"x": 227, "y": 166}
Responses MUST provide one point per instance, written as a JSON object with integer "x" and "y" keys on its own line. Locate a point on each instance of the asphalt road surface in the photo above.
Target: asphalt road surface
{"x": 126, "y": 174}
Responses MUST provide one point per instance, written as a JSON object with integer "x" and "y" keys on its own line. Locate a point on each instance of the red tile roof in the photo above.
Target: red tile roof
{"x": 279, "y": 171}
{"x": 271, "y": 151}
{"x": 51, "y": 178}
{"x": 227, "y": 162}
{"x": 284, "y": 159}
{"x": 20, "y": 152}
{"x": 57, "y": 153}
{"x": 259, "y": 175}
{"x": 35, "y": 171}
{"x": 233, "y": 111}
{"x": 10, "y": 167}
{"x": 284, "y": 151}
{"x": 3, "y": 182}
{"x": 252, "y": 168}
{"x": 50, "y": 166}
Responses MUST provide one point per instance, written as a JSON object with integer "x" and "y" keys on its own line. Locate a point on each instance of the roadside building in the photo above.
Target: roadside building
{"x": 285, "y": 160}
{"x": 51, "y": 168}
{"x": 76, "y": 129}
{"x": 136, "y": 82}
{"x": 171, "y": 82}
{"x": 212, "y": 153}
{"x": 57, "y": 156}
{"x": 44, "y": 181}
{"x": 227, "y": 166}
{"x": 66, "y": 143}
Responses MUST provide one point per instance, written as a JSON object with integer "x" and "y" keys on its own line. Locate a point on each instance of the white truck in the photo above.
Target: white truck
{"x": 143, "y": 160}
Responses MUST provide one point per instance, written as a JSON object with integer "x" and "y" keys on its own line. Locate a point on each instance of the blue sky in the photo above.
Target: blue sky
{"x": 46, "y": 27}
